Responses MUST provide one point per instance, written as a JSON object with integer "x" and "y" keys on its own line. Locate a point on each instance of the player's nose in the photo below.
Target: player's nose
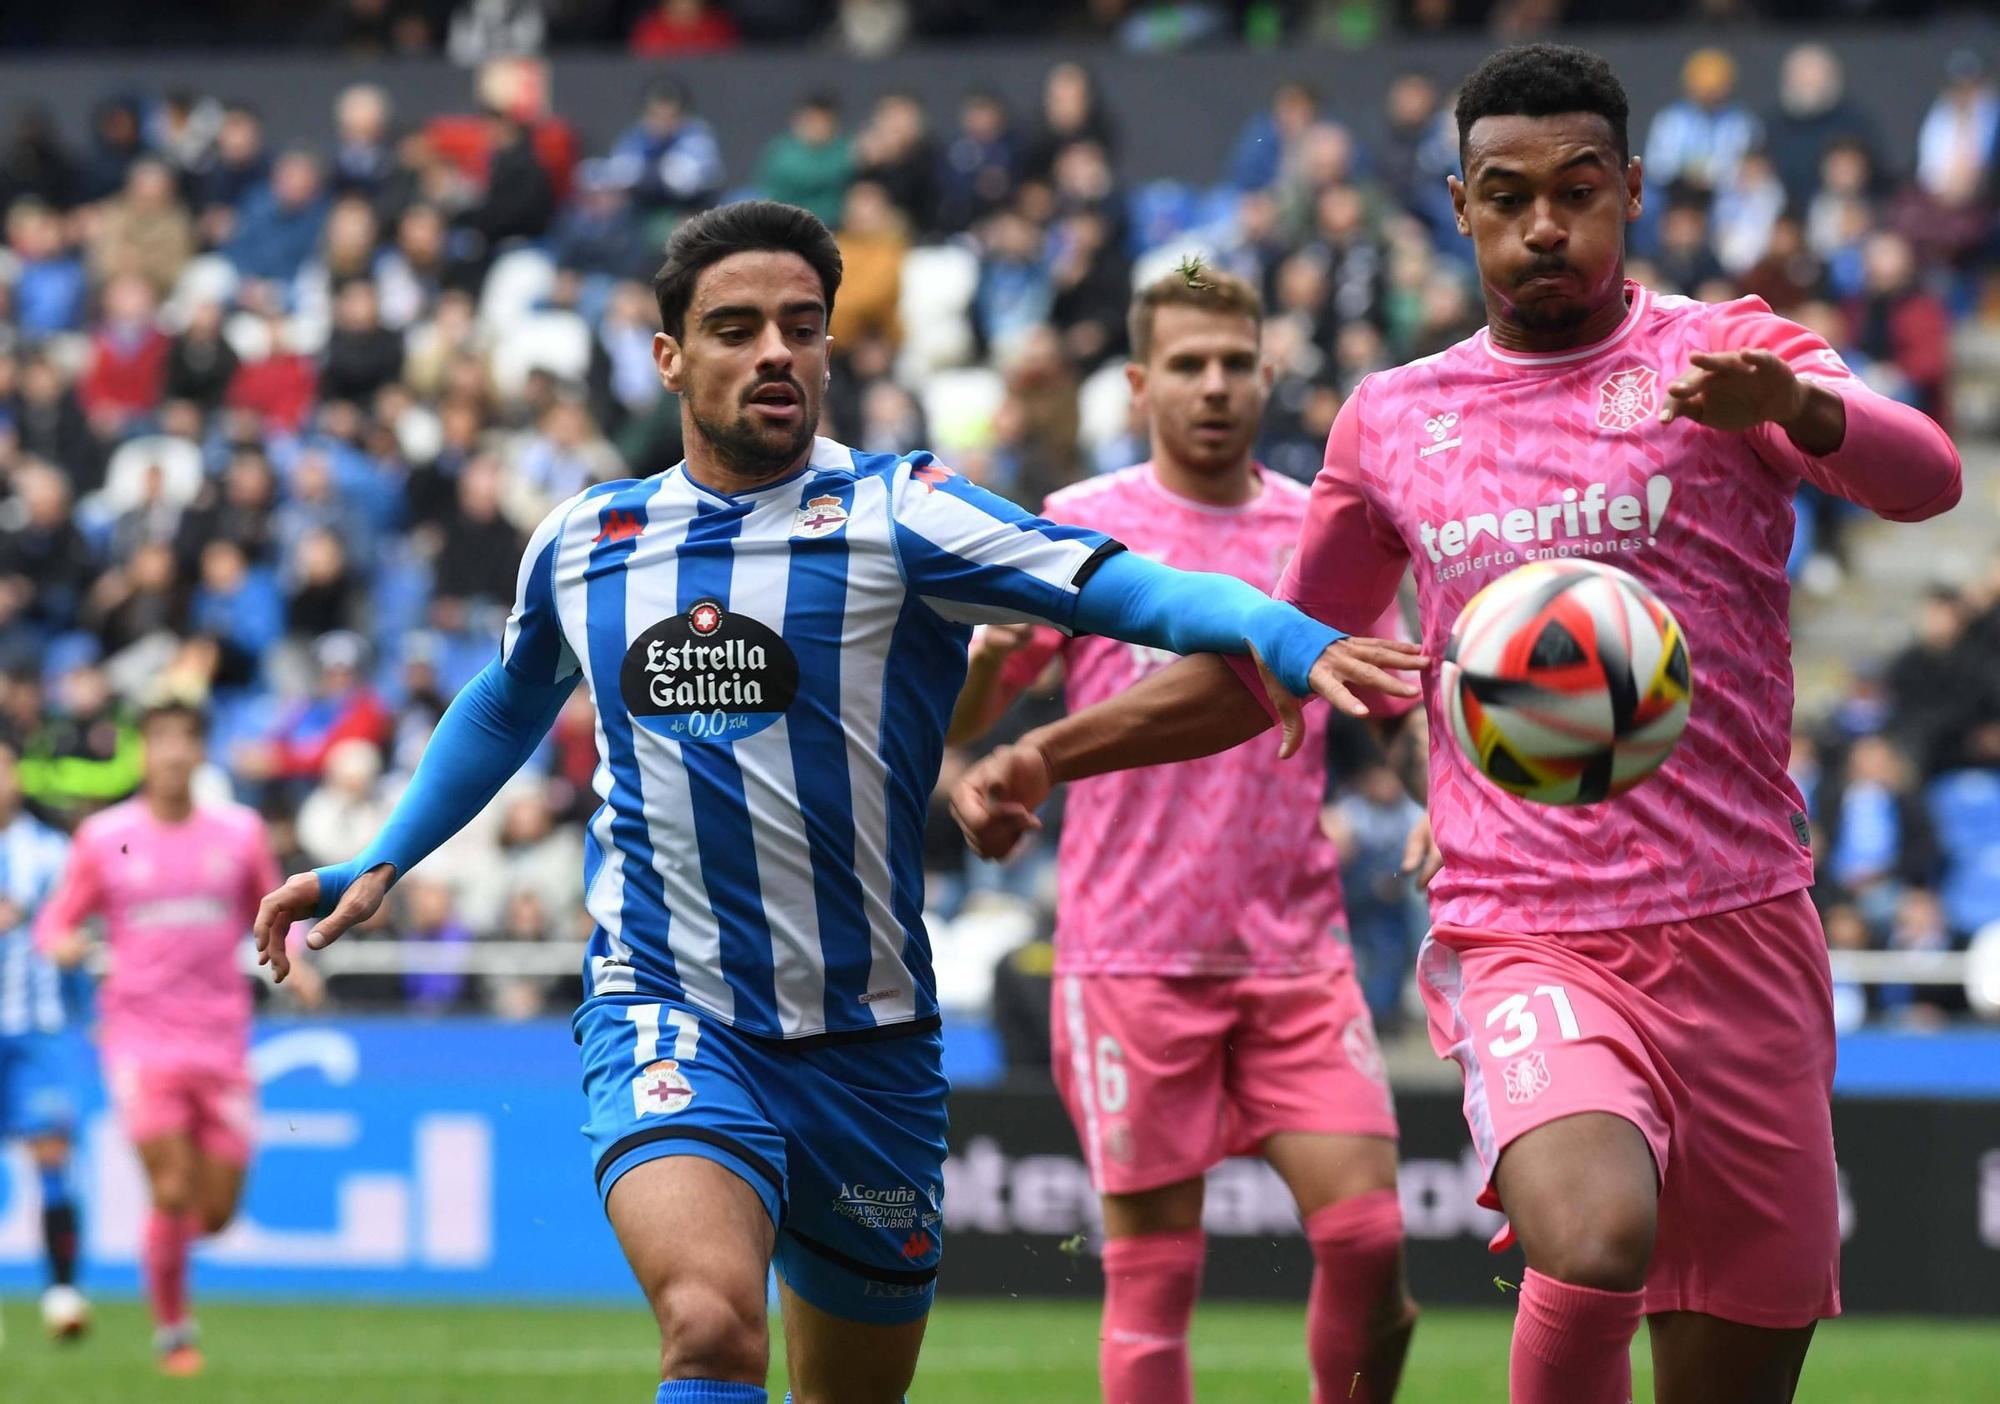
{"x": 772, "y": 347}
{"x": 1545, "y": 231}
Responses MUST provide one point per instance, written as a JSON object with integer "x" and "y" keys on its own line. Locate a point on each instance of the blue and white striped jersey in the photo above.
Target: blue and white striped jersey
{"x": 773, "y": 675}
{"x": 31, "y": 859}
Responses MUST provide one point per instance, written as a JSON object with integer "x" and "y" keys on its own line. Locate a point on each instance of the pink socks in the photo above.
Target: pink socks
{"x": 1354, "y": 1243}
{"x": 1572, "y": 1345}
{"x": 1150, "y": 1283}
{"x": 168, "y": 1238}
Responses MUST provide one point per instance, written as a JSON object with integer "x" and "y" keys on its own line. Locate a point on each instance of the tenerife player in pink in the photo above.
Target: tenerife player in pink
{"x": 1636, "y": 990}
{"x": 1205, "y": 1002}
{"x": 177, "y": 885}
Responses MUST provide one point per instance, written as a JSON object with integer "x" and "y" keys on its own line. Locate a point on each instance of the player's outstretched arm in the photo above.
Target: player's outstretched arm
{"x": 990, "y": 686}
{"x": 488, "y": 732}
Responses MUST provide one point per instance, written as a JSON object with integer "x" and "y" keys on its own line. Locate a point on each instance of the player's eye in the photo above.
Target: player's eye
{"x": 1582, "y": 192}
{"x": 1503, "y": 200}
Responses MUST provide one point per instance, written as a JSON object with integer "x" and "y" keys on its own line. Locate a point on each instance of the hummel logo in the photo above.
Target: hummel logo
{"x": 1438, "y": 426}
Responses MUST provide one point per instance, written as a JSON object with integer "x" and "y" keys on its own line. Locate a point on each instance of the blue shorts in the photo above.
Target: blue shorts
{"x": 37, "y": 1085}
{"x": 844, "y": 1142}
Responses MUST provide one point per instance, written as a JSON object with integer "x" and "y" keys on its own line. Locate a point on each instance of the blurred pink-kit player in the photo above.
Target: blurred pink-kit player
{"x": 1205, "y": 1001}
{"x": 1637, "y": 991}
{"x": 176, "y": 884}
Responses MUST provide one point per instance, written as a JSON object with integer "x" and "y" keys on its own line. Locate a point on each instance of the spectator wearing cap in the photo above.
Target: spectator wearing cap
{"x": 681, "y": 29}
{"x": 669, "y": 159}
{"x": 1699, "y": 140}
{"x": 341, "y": 707}
{"x": 811, "y": 162}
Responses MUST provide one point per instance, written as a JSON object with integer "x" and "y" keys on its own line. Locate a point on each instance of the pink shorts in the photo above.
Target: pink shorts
{"x": 1714, "y": 1036}
{"x": 1167, "y": 1076}
{"x": 216, "y": 1110}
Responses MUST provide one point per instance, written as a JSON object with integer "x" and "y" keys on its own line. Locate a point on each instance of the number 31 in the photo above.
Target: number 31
{"x": 1522, "y": 1028}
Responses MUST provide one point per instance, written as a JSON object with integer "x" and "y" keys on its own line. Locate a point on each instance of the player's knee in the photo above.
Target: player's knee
{"x": 215, "y": 1217}
{"x": 708, "y": 1333}
{"x": 1608, "y": 1249}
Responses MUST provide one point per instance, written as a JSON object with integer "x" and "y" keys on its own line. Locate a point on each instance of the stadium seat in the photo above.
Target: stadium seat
{"x": 520, "y": 281}
{"x": 1104, "y": 406}
{"x": 1965, "y": 807}
{"x": 936, "y": 300}
{"x": 178, "y": 460}
{"x": 1160, "y": 212}
{"x": 556, "y": 342}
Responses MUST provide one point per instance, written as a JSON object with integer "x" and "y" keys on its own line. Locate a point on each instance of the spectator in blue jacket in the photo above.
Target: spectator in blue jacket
{"x": 279, "y": 227}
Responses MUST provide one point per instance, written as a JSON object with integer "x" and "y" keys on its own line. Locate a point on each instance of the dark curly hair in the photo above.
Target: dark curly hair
{"x": 1543, "y": 80}
{"x": 749, "y": 226}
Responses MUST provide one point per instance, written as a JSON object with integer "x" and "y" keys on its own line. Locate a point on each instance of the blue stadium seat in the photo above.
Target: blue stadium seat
{"x": 1965, "y": 807}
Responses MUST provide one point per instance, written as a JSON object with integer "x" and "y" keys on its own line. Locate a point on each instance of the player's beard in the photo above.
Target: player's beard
{"x": 753, "y": 453}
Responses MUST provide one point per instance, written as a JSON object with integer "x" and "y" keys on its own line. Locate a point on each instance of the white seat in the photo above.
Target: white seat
{"x": 1104, "y": 406}
{"x": 517, "y": 282}
{"x": 959, "y": 406}
{"x": 556, "y": 342}
{"x": 179, "y": 462}
{"x": 938, "y": 284}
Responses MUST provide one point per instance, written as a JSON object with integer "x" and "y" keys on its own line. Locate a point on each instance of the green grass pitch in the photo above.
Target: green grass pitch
{"x": 978, "y": 1353}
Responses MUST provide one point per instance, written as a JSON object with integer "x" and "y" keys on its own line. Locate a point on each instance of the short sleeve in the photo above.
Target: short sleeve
{"x": 976, "y": 558}
{"x": 534, "y": 649}
{"x": 1350, "y": 559}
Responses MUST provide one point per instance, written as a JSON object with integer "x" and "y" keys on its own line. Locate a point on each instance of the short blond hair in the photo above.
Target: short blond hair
{"x": 1190, "y": 286}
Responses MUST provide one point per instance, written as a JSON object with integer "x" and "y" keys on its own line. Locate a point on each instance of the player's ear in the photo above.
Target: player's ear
{"x": 667, "y": 356}
{"x": 1457, "y": 189}
{"x": 1635, "y": 192}
{"x": 1135, "y": 376}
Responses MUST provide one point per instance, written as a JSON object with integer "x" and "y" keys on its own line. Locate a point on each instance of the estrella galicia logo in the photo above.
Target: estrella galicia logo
{"x": 708, "y": 675}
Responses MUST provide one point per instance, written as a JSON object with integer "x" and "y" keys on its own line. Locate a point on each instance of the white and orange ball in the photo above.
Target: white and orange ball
{"x": 1566, "y": 682}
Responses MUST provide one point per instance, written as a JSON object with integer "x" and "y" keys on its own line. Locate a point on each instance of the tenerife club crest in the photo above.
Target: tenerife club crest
{"x": 709, "y": 674}
{"x": 1627, "y": 398}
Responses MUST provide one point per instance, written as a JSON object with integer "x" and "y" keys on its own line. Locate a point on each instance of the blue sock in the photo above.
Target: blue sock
{"x": 55, "y": 1186}
{"x": 710, "y": 1392}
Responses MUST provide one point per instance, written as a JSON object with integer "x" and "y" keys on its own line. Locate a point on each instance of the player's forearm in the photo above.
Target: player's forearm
{"x": 981, "y": 701}
{"x": 486, "y": 734}
{"x": 1188, "y": 612}
{"x": 1887, "y": 456}
{"x": 1192, "y": 708}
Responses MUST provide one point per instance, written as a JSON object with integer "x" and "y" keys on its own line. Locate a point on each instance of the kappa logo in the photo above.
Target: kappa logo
{"x": 1526, "y": 1078}
{"x": 620, "y": 525}
{"x": 915, "y": 1247}
{"x": 932, "y": 475}
{"x": 661, "y": 1089}
{"x": 1439, "y": 427}
{"x": 821, "y": 516}
{"x": 1628, "y": 398}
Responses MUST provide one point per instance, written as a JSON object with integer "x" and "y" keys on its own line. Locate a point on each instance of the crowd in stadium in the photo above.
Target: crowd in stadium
{"x": 274, "y": 423}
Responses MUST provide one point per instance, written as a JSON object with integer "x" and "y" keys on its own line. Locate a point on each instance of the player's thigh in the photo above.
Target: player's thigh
{"x": 864, "y": 1127}
{"x": 1699, "y": 1359}
{"x": 1139, "y": 1062}
{"x": 698, "y": 1239}
{"x": 223, "y": 1112}
{"x": 169, "y": 1163}
{"x": 832, "y": 1360}
{"x": 1320, "y": 1170}
{"x": 1302, "y": 1060}
{"x": 38, "y": 1101}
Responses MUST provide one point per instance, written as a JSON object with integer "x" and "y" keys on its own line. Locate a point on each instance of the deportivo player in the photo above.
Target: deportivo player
{"x": 1637, "y": 991}
{"x": 1205, "y": 1003}
{"x": 774, "y": 632}
{"x": 37, "y": 1079}
{"x": 176, "y": 884}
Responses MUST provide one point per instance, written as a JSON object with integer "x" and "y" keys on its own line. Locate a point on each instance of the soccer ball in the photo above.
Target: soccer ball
{"x": 1566, "y": 682}
{"x": 65, "y": 1313}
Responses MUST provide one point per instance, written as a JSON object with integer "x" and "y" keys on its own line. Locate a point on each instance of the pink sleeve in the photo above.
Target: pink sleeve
{"x": 77, "y": 894}
{"x": 1349, "y": 562}
{"x": 1026, "y": 663}
{"x": 1894, "y": 460}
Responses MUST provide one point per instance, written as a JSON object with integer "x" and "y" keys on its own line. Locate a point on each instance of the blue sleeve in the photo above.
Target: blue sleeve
{"x": 486, "y": 734}
{"x": 1140, "y": 601}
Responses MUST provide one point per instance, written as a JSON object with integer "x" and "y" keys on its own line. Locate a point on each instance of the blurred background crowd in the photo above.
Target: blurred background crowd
{"x": 276, "y": 419}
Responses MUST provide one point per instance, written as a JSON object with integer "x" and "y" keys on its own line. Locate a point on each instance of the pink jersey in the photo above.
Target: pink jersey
{"x": 1249, "y": 885}
{"x": 1473, "y": 461}
{"x": 177, "y": 902}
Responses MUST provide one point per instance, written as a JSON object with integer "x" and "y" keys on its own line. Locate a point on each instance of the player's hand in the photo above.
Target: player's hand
{"x": 70, "y": 951}
{"x": 298, "y": 899}
{"x": 1421, "y": 859}
{"x": 1736, "y": 390}
{"x": 996, "y": 799}
{"x": 1354, "y": 661}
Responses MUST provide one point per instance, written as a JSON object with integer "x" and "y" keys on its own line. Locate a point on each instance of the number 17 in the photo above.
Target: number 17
{"x": 1522, "y": 1028}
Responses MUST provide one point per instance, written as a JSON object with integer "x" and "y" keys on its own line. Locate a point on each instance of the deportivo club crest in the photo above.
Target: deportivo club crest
{"x": 1627, "y": 398}
{"x": 661, "y": 1089}
{"x": 821, "y": 516}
